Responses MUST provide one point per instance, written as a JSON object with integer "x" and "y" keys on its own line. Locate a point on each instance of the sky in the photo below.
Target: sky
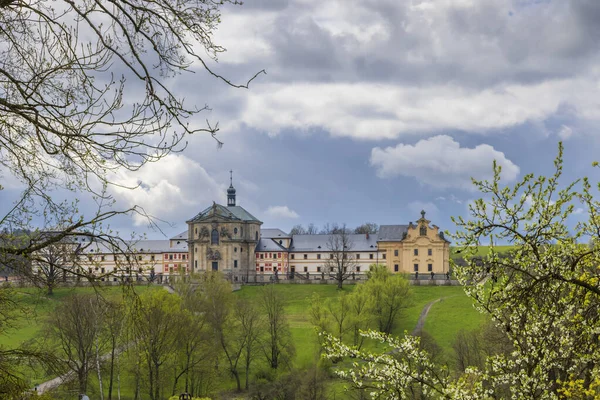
{"x": 373, "y": 110}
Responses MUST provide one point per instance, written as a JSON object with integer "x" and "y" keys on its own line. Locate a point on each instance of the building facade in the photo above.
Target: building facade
{"x": 229, "y": 239}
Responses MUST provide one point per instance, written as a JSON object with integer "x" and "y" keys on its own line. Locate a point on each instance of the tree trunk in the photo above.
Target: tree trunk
{"x": 112, "y": 368}
{"x": 98, "y": 370}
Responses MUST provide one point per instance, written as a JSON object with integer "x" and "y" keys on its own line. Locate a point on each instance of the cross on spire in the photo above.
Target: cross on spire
{"x": 231, "y": 177}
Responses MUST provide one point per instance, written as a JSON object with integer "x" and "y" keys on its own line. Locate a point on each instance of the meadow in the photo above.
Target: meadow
{"x": 453, "y": 312}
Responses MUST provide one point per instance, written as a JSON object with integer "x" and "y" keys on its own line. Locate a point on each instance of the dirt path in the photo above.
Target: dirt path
{"x": 423, "y": 316}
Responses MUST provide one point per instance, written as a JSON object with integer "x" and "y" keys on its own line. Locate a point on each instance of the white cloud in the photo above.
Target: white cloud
{"x": 565, "y": 132}
{"x": 173, "y": 189}
{"x": 441, "y": 162}
{"x": 374, "y": 111}
{"x": 281, "y": 212}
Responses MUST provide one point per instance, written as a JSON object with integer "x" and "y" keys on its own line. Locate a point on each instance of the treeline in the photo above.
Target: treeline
{"x": 334, "y": 228}
{"x": 199, "y": 341}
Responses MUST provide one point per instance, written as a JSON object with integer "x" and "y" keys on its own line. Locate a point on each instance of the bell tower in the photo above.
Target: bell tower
{"x": 231, "y": 191}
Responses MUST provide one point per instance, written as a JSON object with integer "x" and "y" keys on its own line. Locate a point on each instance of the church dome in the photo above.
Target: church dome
{"x": 231, "y": 190}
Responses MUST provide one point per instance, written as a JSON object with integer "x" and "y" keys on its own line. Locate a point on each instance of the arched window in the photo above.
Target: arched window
{"x": 214, "y": 237}
{"x": 235, "y": 231}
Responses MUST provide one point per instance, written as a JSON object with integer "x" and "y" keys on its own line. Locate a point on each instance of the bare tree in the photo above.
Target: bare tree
{"x": 334, "y": 228}
{"x": 74, "y": 328}
{"x": 368, "y": 227}
{"x": 84, "y": 93}
{"x": 298, "y": 230}
{"x": 312, "y": 229}
{"x": 51, "y": 264}
{"x": 341, "y": 262}
{"x": 278, "y": 345}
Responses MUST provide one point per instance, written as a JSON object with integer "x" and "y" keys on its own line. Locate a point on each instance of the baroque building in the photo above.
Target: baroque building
{"x": 224, "y": 238}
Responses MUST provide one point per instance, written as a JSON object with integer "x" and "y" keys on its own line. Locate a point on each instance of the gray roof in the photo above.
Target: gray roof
{"x": 141, "y": 246}
{"x": 273, "y": 233}
{"x": 269, "y": 245}
{"x": 392, "y": 232}
{"x": 182, "y": 236}
{"x": 360, "y": 242}
{"x": 234, "y": 213}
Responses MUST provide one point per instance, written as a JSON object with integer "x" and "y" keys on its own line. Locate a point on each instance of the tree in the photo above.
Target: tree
{"x": 85, "y": 93}
{"x": 544, "y": 297}
{"x": 334, "y": 228}
{"x": 298, "y": 230}
{"x": 389, "y": 294}
{"x": 341, "y": 263}
{"x": 74, "y": 327}
{"x": 52, "y": 263}
{"x": 278, "y": 346}
{"x": 367, "y": 228}
{"x": 158, "y": 323}
{"x": 312, "y": 229}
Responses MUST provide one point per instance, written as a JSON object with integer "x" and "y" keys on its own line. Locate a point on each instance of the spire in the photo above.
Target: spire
{"x": 231, "y": 191}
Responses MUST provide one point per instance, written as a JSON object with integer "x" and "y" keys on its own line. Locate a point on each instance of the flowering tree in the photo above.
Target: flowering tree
{"x": 545, "y": 296}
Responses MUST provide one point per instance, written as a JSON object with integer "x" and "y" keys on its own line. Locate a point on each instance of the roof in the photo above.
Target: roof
{"x": 141, "y": 246}
{"x": 360, "y": 242}
{"x": 182, "y": 236}
{"x": 269, "y": 245}
{"x": 392, "y": 232}
{"x": 233, "y": 213}
{"x": 273, "y": 233}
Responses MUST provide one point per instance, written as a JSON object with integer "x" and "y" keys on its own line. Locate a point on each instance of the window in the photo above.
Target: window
{"x": 429, "y": 252}
{"x": 114, "y": 258}
{"x": 151, "y": 258}
{"x": 281, "y": 241}
{"x": 306, "y": 256}
{"x": 214, "y": 237}
{"x": 416, "y": 267}
{"x": 370, "y": 256}
{"x": 292, "y": 256}
{"x": 416, "y": 252}
{"x": 278, "y": 255}
{"x": 318, "y": 269}
{"x": 90, "y": 258}
{"x": 383, "y": 256}
{"x": 275, "y": 256}
{"x": 235, "y": 249}
{"x": 183, "y": 257}
{"x": 293, "y": 269}
{"x": 429, "y": 267}
{"x": 262, "y": 269}
{"x": 262, "y": 256}
{"x": 234, "y": 263}
{"x": 139, "y": 258}
{"x": 318, "y": 256}
{"x": 241, "y": 249}
{"x": 102, "y": 258}
{"x": 358, "y": 269}
{"x": 256, "y": 235}
{"x": 305, "y": 269}
{"x": 170, "y": 256}
{"x": 396, "y": 253}
{"x": 196, "y": 264}
{"x": 235, "y": 231}
{"x": 423, "y": 230}
{"x": 358, "y": 256}
{"x": 331, "y": 256}
{"x": 396, "y": 268}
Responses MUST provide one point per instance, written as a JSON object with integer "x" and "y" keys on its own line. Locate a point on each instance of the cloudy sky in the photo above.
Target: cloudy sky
{"x": 372, "y": 110}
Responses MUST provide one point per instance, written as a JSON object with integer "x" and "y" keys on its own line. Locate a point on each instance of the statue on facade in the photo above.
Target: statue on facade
{"x": 212, "y": 254}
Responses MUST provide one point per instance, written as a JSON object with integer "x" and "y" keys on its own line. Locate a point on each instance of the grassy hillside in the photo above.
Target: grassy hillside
{"x": 481, "y": 250}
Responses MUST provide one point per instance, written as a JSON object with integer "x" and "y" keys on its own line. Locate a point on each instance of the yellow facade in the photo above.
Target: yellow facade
{"x": 423, "y": 250}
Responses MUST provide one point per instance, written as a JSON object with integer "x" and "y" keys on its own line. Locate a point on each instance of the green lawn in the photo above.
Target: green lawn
{"x": 445, "y": 319}
{"x": 481, "y": 250}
